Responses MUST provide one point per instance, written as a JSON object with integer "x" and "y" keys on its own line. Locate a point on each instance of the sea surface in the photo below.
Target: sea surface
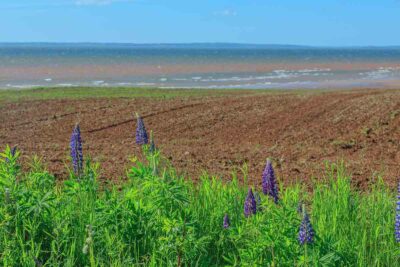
{"x": 197, "y": 66}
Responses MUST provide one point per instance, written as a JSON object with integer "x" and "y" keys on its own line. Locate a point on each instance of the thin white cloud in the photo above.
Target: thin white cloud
{"x": 58, "y": 3}
{"x": 38, "y": 4}
{"x": 97, "y": 2}
{"x": 226, "y": 13}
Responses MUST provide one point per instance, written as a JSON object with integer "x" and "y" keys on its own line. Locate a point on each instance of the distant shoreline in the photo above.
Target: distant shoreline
{"x": 195, "y": 45}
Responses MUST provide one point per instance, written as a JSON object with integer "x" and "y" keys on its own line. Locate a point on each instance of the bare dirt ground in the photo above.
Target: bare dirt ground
{"x": 300, "y": 131}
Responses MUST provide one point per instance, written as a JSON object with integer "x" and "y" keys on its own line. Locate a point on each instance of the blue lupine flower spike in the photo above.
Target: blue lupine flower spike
{"x": 141, "y": 134}
{"x": 227, "y": 222}
{"x": 269, "y": 184}
{"x": 397, "y": 220}
{"x": 76, "y": 150}
{"x": 306, "y": 231}
{"x": 250, "y": 205}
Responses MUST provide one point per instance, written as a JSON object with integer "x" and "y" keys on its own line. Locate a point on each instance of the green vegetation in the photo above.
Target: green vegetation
{"x": 47, "y": 93}
{"x": 157, "y": 218}
{"x": 110, "y": 92}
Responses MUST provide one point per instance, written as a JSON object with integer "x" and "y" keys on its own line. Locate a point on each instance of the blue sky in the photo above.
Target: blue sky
{"x": 304, "y": 22}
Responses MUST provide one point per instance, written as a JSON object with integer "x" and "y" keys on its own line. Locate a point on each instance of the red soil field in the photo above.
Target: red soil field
{"x": 299, "y": 131}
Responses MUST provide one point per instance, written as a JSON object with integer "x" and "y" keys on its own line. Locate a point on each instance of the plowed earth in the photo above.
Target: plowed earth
{"x": 300, "y": 131}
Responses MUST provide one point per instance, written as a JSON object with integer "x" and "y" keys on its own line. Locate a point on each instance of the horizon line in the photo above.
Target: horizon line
{"x": 196, "y": 43}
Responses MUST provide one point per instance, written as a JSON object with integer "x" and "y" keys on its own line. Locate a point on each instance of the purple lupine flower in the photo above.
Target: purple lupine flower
{"x": 227, "y": 222}
{"x": 397, "y": 221}
{"x": 269, "y": 184}
{"x": 306, "y": 231}
{"x": 250, "y": 205}
{"x": 76, "y": 150}
{"x": 141, "y": 134}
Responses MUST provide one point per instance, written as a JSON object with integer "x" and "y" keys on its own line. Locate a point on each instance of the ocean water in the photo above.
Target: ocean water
{"x": 197, "y": 66}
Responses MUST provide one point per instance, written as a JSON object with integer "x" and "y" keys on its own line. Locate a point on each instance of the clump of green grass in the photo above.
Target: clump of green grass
{"x": 158, "y": 218}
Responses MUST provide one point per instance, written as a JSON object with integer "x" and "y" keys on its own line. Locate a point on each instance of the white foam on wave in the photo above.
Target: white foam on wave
{"x": 124, "y": 84}
{"x": 303, "y": 72}
{"x": 225, "y": 86}
{"x": 65, "y": 84}
{"x": 48, "y": 79}
{"x": 379, "y": 73}
{"x": 278, "y": 75}
{"x": 98, "y": 82}
{"x": 134, "y": 84}
{"x": 23, "y": 86}
{"x": 144, "y": 84}
{"x": 314, "y": 70}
